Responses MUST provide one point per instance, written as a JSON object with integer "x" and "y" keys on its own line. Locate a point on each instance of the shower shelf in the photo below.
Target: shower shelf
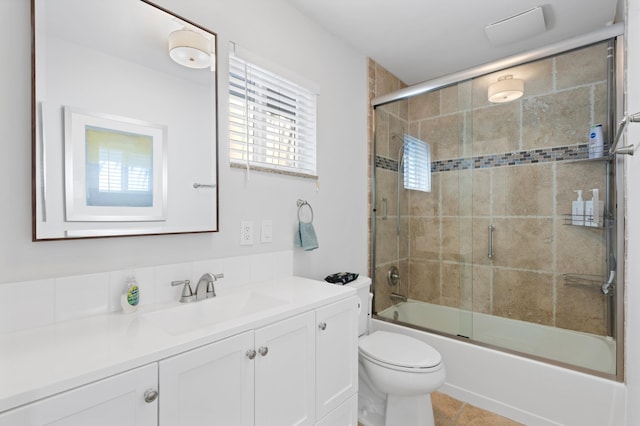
{"x": 586, "y": 160}
{"x": 568, "y": 220}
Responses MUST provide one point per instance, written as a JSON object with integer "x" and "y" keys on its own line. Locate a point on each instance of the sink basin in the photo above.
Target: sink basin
{"x": 206, "y": 313}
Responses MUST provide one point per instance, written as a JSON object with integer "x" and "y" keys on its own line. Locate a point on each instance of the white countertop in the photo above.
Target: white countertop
{"x": 43, "y": 361}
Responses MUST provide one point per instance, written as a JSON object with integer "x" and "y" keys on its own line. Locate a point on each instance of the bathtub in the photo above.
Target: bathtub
{"x": 571, "y": 347}
{"x": 529, "y": 391}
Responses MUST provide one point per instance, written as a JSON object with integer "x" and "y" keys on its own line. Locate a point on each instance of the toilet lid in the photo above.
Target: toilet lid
{"x": 399, "y": 350}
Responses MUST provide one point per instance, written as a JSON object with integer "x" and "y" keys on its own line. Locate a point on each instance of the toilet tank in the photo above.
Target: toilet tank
{"x": 362, "y": 286}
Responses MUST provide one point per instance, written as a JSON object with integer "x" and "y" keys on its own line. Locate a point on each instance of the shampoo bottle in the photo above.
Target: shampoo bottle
{"x": 130, "y": 295}
{"x": 577, "y": 210}
{"x": 593, "y": 216}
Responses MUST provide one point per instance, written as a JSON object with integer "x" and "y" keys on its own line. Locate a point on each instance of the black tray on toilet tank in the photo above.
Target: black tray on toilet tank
{"x": 341, "y": 278}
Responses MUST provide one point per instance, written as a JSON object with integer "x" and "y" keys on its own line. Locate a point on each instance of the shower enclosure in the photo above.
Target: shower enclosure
{"x": 490, "y": 252}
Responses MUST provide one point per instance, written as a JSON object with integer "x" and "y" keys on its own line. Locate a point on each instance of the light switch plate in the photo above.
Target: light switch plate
{"x": 266, "y": 231}
{"x": 246, "y": 233}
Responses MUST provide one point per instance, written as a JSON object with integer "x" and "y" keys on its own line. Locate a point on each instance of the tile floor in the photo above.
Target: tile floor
{"x": 451, "y": 412}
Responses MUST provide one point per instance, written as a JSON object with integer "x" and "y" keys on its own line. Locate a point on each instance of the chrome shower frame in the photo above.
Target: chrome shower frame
{"x": 615, "y": 205}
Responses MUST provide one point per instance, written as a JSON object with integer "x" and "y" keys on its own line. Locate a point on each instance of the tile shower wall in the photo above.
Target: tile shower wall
{"x": 507, "y": 165}
{"x": 30, "y": 304}
{"x": 394, "y": 120}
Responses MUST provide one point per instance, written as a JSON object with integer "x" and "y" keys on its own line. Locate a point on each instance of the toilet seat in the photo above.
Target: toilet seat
{"x": 399, "y": 352}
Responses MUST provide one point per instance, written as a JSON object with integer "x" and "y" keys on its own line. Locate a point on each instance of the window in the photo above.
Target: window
{"x": 417, "y": 164}
{"x": 119, "y": 168}
{"x": 272, "y": 121}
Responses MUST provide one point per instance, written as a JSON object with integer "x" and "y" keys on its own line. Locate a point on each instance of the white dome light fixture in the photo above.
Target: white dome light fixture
{"x": 190, "y": 49}
{"x": 506, "y": 89}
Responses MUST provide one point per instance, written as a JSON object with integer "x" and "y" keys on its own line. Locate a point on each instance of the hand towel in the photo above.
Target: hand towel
{"x": 306, "y": 236}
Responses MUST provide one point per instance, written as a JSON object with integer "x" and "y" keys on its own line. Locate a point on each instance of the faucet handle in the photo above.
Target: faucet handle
{"x": 187, "y": 293}
{"x": 211, "y": 291}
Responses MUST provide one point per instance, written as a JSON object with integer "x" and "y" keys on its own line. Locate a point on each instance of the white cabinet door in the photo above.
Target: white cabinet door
{"x": 285, "y": 372}
{"x": 117, "y": 400}
{"x": 345, "y": 415}
{"x": 336, "y": 354}
{"x": 212, "y": 385}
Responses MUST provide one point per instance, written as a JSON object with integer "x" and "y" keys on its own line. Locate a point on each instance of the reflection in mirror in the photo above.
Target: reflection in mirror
{"x": 124, "y": 121}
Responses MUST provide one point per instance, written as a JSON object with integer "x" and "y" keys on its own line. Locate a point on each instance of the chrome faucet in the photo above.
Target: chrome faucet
{"x": 205, "y": 288}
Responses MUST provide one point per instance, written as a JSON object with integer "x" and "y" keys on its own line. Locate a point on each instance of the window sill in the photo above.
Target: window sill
{"x": 274, "y": 171}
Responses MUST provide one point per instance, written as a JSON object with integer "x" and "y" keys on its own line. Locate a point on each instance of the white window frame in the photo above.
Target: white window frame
{"x": 416, "y": 164}
{"x": 272, "y": 121}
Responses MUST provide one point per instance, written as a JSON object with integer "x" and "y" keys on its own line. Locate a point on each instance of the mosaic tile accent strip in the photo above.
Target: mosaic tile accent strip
{"x": 387, "y": 163}
{"x": 546, "y": 155}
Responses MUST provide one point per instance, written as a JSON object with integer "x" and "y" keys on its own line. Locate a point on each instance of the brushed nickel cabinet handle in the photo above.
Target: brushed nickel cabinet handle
{"x": 150, "y": 395}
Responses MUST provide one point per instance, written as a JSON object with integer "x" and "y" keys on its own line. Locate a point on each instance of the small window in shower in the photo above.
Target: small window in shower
{"x": 417, "y": 164}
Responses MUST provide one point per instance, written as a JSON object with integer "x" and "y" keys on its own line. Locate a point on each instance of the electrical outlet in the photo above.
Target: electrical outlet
{"x": 246, "y": 233}
{"x": 266, "y": 232}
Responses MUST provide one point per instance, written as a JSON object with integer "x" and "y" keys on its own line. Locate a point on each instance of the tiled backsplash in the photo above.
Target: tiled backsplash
{"x": 37, "y": 303}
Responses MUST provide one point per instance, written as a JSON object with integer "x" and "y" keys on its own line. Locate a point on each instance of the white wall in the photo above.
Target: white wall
{"x": 632, "y": 333}
{"x": 293, "y": 43}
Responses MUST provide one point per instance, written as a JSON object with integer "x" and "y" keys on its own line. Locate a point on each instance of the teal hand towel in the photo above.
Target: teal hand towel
{"x": 306, "y": 236}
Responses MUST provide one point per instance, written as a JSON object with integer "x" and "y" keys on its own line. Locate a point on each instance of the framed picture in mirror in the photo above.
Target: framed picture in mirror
{"x": 115, "y": 168}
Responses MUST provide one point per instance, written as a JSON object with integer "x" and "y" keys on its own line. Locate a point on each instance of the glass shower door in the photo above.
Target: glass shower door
{"x": 491, "y": 252}
{"x": 425, "y": 236}
{"x": 390, "y": 223}
{"x": 538, "y": 276}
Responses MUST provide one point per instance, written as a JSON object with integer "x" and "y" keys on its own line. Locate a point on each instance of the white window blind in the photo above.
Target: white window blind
{"x": 272, "y": 121}
{"x": 417, "y": 164}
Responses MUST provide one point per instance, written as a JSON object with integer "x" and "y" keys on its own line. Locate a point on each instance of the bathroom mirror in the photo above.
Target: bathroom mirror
{"x": 124, "y": 121}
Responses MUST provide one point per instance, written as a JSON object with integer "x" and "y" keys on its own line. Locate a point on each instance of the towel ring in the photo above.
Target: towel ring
{"x": 301, "y": 204}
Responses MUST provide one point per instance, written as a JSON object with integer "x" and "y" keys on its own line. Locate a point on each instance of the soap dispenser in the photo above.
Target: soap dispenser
{"x": 130, "y": 296}
{"x": 577, "y": 210}
{"x": 592, "y": 210}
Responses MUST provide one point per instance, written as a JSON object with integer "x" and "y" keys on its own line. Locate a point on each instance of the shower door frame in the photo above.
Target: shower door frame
{"x": 615, "y": 235}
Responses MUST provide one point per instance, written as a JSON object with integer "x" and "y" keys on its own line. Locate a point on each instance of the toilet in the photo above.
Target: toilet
{"x": 396, "y": 373}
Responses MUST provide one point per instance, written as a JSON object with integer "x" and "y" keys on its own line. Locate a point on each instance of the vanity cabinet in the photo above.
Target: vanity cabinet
{"x": 299, "y": 368}
{"x": 292, "y": 372}
{"x": 118, "y": 400}
{"x": 261, "y": 377}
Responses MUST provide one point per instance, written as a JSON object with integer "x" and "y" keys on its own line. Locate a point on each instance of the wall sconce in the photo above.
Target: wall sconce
{"x": 190, "y": 49}
{"x": 506, "y": 89}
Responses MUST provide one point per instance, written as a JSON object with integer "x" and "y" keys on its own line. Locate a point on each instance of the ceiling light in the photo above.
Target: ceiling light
{"x": 506, "y": 89}
{"x": 190, "y": 49}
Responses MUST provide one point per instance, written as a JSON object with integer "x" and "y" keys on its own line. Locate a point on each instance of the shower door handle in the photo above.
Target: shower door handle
{"x": 490, "y": 249}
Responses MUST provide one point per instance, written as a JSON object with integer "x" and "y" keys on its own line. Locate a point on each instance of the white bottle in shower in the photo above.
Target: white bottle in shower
{"x": 577, "y": 210}
{"x": 596, "y": 142}
{"x": 592, "y": 210}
